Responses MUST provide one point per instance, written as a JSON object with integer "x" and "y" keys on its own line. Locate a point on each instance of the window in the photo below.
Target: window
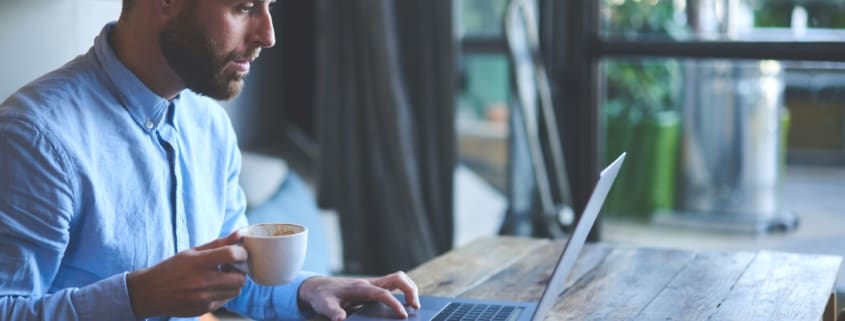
{"x": 749, "y": 92}
{"x": 726, "y": 111}
{"x": 617, "y": 63}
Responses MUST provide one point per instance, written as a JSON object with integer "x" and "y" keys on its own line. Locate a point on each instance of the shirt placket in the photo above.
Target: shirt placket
{"x": 180, "y": 229}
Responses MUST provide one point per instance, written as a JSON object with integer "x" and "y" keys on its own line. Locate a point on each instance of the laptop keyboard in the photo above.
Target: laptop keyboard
{"x": 474, "y": 311}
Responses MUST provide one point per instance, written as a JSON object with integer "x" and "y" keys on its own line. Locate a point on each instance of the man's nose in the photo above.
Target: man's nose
{"x": 264, "y": 33}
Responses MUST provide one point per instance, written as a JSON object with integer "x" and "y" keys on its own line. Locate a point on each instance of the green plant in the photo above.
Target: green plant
{"x": 640, "y": 89}
{"x": 641, "y": 103}
{"x": 778, "y": 14}
{"x": 642, "y": 18}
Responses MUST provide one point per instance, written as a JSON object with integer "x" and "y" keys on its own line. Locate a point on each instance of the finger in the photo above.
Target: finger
{"x": 230, "y": 239}
{"x": 212, "y": 280}
{"x": 402, "y": 282}
{"x": 382, "y": 295}
{"x": 228, "y": 281}
{"x": 409, "y": 288}
{"x": 220, "y": 295}
{"x": 229, "y": 254}
{"x": 332, "y": 311}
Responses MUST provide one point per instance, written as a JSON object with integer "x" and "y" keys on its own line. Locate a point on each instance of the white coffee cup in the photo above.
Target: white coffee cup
{"x": 276, "y": 252}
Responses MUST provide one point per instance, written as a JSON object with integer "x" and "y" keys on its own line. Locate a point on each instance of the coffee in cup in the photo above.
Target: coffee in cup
{"x": 276, "y": 252}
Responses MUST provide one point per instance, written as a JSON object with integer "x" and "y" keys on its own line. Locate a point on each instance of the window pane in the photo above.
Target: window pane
{"x": 815, "y": 95}
{"x": 743, "y": 20}
{"x": 483, "y": 114}
{"x": 712, "y": 137}
{"x": 481, "y": 17}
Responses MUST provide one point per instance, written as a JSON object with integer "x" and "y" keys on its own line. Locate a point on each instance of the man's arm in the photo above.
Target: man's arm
{"x": 36, "y": 207}
{"x": 191, "y": 283}
{"x": 104, "y": 300}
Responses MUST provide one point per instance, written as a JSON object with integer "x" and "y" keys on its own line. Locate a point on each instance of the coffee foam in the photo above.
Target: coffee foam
{"x": 271, "y": 230}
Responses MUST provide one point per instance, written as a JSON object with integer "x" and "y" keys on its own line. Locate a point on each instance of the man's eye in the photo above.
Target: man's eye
{"x": 247, "y": 8}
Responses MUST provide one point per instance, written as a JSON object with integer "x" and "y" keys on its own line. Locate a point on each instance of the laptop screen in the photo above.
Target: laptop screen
{"x": 576, "y": 240}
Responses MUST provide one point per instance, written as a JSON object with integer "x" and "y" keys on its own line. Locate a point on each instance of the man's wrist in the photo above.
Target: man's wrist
{"x": 306, "y": 311}
{"x": 138, "y": 298}
{"x": 302, "y": 300}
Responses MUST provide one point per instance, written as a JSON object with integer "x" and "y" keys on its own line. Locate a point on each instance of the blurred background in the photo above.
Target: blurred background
{"x": 417, "y": 126}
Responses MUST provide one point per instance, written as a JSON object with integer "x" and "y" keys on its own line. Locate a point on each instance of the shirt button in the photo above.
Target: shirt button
{"x": 150, "y": 124}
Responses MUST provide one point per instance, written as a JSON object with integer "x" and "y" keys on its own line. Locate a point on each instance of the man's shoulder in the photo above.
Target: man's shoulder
{"x": 70, "y": 85}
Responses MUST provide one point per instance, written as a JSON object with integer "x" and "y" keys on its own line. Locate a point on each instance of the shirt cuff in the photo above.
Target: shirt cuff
{"x": 105, "y": 300}
{"x": 288, "y": 305}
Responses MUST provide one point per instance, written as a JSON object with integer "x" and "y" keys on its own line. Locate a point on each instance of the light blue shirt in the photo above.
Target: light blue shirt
{"x": 100, "y": 176}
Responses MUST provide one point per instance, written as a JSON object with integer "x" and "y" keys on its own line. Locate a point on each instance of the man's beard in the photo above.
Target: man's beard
{"x": 196, "y": 59}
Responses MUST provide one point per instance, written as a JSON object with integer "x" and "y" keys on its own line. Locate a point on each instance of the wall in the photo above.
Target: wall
{"x": 37, "y": 36}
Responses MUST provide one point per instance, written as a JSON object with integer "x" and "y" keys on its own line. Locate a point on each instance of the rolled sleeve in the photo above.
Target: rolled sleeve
{"x": 109, "y": 297}
{"x": 272, "y": 302}
{"x": 288, "y": 304}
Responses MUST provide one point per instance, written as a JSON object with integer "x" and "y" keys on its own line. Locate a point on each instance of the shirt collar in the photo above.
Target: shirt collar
{"x": 148, "y": 109}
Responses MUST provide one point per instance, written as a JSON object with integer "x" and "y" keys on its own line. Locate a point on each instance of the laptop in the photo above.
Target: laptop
{"x": 461, "y": 309}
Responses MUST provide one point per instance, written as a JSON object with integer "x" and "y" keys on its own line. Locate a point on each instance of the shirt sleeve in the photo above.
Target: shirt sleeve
{"x": 36, "y": 209}
{"x": 271, "y": 302}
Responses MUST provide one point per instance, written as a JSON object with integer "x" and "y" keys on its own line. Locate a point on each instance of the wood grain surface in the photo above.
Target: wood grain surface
{"x": 624, "y": 283}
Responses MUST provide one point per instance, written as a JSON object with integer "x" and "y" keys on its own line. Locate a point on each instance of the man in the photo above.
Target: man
{"x": 119, "y": 191}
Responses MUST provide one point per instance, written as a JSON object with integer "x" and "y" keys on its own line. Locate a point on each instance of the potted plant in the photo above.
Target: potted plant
{"x": 641, "y": 110}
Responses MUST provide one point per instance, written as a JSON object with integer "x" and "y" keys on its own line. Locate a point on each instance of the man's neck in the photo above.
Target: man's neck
{"x": 138, "y": 49}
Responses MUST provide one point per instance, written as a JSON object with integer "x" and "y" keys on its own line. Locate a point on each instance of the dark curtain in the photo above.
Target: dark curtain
{"x": 385, "y": 100}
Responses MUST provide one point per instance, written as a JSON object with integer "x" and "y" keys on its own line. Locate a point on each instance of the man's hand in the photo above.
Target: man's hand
{"x": 189, "y": 283}
{"x": 330, "y": 295}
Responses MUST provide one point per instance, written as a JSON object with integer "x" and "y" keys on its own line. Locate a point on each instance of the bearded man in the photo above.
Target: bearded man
{"x": 119, "y": 196}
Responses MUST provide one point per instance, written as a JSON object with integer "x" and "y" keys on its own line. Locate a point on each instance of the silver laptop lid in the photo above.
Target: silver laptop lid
{"x": 576, "y": 240}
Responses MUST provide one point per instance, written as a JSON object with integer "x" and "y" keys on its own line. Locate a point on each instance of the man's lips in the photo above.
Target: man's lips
{"x": 243, "y": 62}
{"x": 242, "y": 65}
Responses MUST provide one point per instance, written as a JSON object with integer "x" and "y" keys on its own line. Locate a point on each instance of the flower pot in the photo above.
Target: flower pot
{"x": 647, "y": 182}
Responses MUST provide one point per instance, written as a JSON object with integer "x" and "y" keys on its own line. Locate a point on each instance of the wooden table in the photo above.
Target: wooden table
{"x": 620, "y": 283}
